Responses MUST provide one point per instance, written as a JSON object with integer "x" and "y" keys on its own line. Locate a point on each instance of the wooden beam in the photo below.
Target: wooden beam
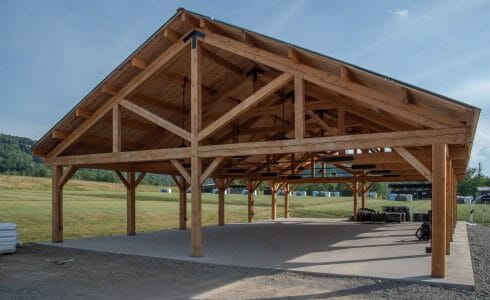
{"x": 59, "y": 134}
{"x": 84, "y": 113}
{"x": 250, "y": 200}
{"x": 116, "y": 128}
{"x": 171, "y": 35}
{"x": 109, "y": 89}
{"x": 196, "y": 164}
{"x": 156, "y": 119}
{"x": 139, "y": 179}
{"x": 294, "y": 55}
{"x": 322, "y": 123}
{"x": 57, "y": 206}
{"x": 332, "y": 82}
{"x": 286, "y": 200}
{"x": 412, "y": 138}
{"x": 222, "y": 62}
{"x": 274, "y": 188}
{"x": 121, "y": 157}
{"x": 411, "y": 159}
{"x": 439, "y": 153}
{"x": 355, "y": 190}
{"x": 160, "y": 62}
{"x": 183, "y": 172}
{"x": 449, "y": 207}
{"x": 131, "y": 205}
{"x": 299, "y": 107}
{"x": 67, "y": 174}
{"x": 123, "y": 179}
{"x": 210, "y": 169}
{"x": 245, "y": 105}
{"x": 139, "y": 63}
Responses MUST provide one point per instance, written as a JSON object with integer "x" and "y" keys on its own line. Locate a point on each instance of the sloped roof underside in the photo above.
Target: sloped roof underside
{"x": 227, "y": 80}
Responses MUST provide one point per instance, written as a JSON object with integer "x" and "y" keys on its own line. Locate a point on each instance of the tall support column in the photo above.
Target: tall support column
{"x": 439, "y": 154}
{"x": 182, "y": 203}
{"x": 196, "y": 166}
{"x": 455, "y": 189}
{"x": 286, "y": 200}
{"x": 57, "y": 206}
{"x": 221, "y": 185}
{"x": 251, "y": 213}
{"x": 363, "y": 196}
{"x": 449, "y": 208}
{"x": 131, "y": 204}
{"x": 274, "y": 200}
{"x": 355, "y": 191}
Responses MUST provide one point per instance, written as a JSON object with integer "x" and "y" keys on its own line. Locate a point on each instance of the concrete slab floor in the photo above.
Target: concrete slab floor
{"x": 305, "y": 245}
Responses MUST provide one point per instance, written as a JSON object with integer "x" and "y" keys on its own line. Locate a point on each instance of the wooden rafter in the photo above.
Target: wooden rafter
{"x": 410, "y": 158}
{"x": 156, "y": 65}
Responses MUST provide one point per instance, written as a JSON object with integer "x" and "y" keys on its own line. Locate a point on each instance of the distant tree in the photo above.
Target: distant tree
{"x": 473, "y": 178}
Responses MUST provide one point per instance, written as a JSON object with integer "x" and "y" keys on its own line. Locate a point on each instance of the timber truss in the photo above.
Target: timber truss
{"x": 203, "y": 99}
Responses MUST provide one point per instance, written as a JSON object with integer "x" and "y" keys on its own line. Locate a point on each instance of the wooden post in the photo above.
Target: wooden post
{"x": 286, "y": 200}
{"x": 116, "y": 128}
{"x": 455, "y": 211}
{"x": 449, "y": 212}
{"x": 183, "y": 203}
{"x": 221, "y": 185}
{"x": 439, "y": 153}
{"x": 250, "y": 198}
{"x": 355, "y": 190}
{"x": 299, "y": 107}
{"x": 312, "y": 167}
{"x": 274, "y": 200}
{"x": 131, "y": 204}
{"x": 57, "y": 206}
{"x": 196, "y": 166}
{"x": 363, "y": 196}
{"x": 324, "y": 168}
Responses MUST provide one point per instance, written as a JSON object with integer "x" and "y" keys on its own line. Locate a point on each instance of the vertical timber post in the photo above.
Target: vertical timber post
{"x": 299, "y": 107}
{"x": 286, "y": 200}
{"x": 355, "y": 190}
{"x": 131, "y": 204}
{"x": 182, "y": 203}
{"x": 274, "y": 200}
{"x": 439, "y": 153}
{"x": 196, "y": 166}
{"x": 449, "y": 208}
{"x": 220, "y": 184}
{"x": 363, "y": 196}
{"x": 250, "y": 202}
{"x": 57, "y": 206}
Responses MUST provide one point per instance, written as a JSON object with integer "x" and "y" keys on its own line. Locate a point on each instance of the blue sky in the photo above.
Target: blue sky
{"x": 54, "y": 52}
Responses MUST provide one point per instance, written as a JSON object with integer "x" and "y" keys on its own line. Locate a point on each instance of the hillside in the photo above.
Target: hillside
{"x": 16, "y": 159}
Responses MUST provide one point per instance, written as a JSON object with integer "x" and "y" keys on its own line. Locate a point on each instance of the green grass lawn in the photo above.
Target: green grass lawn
{"x": 103, "y": 212}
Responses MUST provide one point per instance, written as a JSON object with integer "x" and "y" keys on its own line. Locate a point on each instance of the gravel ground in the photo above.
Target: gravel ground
{"x": 33, "y": 273}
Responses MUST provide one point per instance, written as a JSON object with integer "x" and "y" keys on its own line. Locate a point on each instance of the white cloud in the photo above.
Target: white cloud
{"x": 401, "y": 13}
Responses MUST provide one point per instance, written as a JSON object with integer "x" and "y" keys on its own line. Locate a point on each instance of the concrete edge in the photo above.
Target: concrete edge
{"x": 193, "y": 261}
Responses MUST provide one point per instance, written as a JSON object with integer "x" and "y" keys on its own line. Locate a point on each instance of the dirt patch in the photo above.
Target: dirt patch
{"x": 34, "y": 273}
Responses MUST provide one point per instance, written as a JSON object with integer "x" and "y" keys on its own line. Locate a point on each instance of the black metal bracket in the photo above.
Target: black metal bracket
{"x": 194, "y": 35}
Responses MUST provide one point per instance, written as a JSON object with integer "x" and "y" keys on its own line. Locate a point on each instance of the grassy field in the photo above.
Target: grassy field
{"x": 95, "y": 209}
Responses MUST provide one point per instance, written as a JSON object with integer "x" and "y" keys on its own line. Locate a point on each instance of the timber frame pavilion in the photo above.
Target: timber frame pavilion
{"x": 204, "y": 99}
